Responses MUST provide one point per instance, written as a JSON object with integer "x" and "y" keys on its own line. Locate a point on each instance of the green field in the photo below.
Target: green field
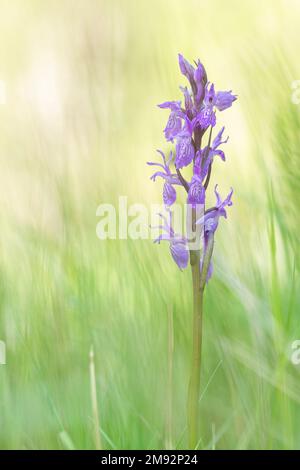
{"x": 77, "y": 126}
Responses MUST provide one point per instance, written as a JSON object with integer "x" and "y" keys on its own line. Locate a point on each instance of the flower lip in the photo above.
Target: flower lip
{"x": 185, "y": 151}
{"x": 196, "y": 194}
{"x": 178, "y": 244}
{"x": 169, "y": 193}
{"x": 211, "y": 217}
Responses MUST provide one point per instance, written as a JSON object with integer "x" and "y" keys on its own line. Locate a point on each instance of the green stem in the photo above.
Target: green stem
{"x": 194, "y": 386}
{"x": 199, "y": 279}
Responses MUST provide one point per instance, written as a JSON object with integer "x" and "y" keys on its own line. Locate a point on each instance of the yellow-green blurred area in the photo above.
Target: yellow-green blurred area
{"x": 80, "y": 81}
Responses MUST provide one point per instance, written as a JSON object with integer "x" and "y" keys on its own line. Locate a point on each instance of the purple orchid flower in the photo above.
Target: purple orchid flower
{"x": 187, "y": 127}
{"x": 200, "y": 80}
{"x": 173, "y": 127}
{"x": 220, "y": 100}
{"x": 169, "y": 193}
{"x": 196, "y": 194}
{"x": 207, "y": 116}
{"x": 197, "y": 77}
{"x": 185, "y": 151}
{"x": 174, "y": 124}
{"x": 216, "y": 143}
{"x": 211, "y": 217}
{"x": 224, "y": 100}
{"x": 186, "y": 69}
{"x": 211, "y": 221}
{"x": 172, "y": 105}
{"x": 178, "y": 244}
{"x": 205, "y": 157}
{"x": 188, "y": 101}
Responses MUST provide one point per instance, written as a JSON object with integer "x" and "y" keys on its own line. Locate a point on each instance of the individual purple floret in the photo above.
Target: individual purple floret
{"x": 196, "y": 194}
{"x": 185, "y": 150}
{"x": 200, "y": 80}
{"x": 210, "y": 222}
{"x": 221, "y": 100}
{"x": 188, "y": 102}
{"x": 173, "y": 127}
{"x": 186, "y": 69}
{"x": 178, "y": 244}
{"x": 205, "y": 156}
{"x": 169, "y": 193}
{"x": 211, "y": 217}
{"x": 174, "y": 123}
{"x": 224, "y": 99}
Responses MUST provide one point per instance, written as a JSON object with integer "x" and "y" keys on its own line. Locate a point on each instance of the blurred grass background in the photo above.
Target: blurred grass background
{"x": 80, "y": 121}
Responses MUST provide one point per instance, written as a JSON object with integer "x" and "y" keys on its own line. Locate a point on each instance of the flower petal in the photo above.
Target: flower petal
{"x": 173, "y": 126}
{"x": 224, "y": 100}
{"x": 169, "y": 194}
{"x": 185, "y": 151}
{"x": 196, "y": 194}
{"x": 172, "y": 105}
{"x": 188, "y": 102}
{"x": 186, "y": 68}
{"x": 180, "y": 253}
{"x": 200, "y": 80}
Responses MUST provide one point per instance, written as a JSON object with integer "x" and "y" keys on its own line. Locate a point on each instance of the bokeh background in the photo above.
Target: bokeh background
{"x": 78, "y": 120}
